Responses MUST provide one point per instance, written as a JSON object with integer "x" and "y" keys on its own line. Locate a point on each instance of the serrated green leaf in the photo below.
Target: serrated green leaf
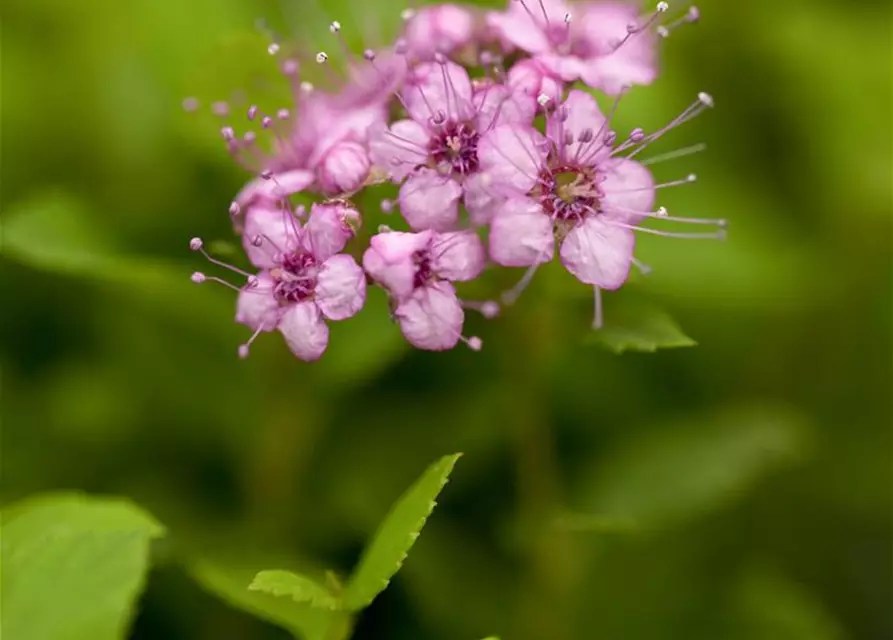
{"x": 299, "y": 588}
{"x": 228, "y": 580}
{"x": 73, "y": 567}
{"x": 679, "y": 471}
{"x": 384, "y": 556}
{"x": 634, "y": 324}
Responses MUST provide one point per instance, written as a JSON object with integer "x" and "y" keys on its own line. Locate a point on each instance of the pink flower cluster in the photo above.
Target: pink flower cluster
{"x": 486, "y": 124}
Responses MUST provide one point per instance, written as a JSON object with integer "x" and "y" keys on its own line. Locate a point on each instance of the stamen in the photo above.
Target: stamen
{"x": 488, "y": 308}
{"x": 196, "y": 244}
{"x": 643, "y": 268}
{"x": 190, "y": 104}
{"x": 245, "y": 348}
{"x": 718, "y": 235}
{"x": 672, "y": 155}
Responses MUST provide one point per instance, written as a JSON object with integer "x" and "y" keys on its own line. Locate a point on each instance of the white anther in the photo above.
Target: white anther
{"x": 335, "y": 27}
{"x": 706, "y": 99}
{"x": 663, "y": 7}
{"x": 321, "y": 57}
{"x": 273, "y": 49}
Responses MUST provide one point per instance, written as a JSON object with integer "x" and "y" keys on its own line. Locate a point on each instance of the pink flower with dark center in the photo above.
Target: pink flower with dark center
{"x": 320, "y": 141}
{"x": 304, "y": 279}
{"x": 573, "y": 187}
{"x": 604, "y": 43}
{"x": 418, "y": 269}
{"x": 434, "y": 153}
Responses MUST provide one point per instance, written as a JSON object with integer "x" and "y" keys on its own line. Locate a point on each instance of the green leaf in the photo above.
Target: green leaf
{"x": 73, "y": 566}
{"x": 634, "y": 324}
{"x": 228, "y": 581}
{"x": 384, "y": 556}
{"x": 677, "y": 471}
{"x": 300, "y": 588}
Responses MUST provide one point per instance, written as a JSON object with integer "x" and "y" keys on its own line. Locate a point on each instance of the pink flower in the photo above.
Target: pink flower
{"x": 442, "y": 28}
{"x": 434, "y": 153}
{"x": 304, "y": 279}
{"x": 572, "y": 187}
{"x": 418, "y": 270}
{"x": 604, "y": 43}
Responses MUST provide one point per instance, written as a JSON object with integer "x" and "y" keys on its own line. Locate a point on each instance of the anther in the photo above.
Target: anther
{"x": 705, "y": 99}
{"x": 387, "y": 206}
{"x": 190, "y": 104}
{"x": 252, "y": 112}
{"x": 234, "y": 209}
{"x": 306, "y": 87}
{"x": 585, "y": 135}
{"x": 266, "y": 122}
{"x": 474, "y": 343}
{"x": 369, "y": 55}
{"x": 542, "y": 99}
{"x": 283, "y": 114}
{"x": 290, "y": 67}
{"x": 637, "y": 135}
{"x": 321, "y": 57}
{"x": 196, "y": 244}
{"x": 273, "y": 49}
{"x": 198, "y": 277}
{"x": 266, "y": 174}
{"x": 335, "y": 27}
{"x": 243, "y": 351}
{"x": 228, "y": 134}
{"x": 663, "y": 7}
{"x": 407, "y": 14}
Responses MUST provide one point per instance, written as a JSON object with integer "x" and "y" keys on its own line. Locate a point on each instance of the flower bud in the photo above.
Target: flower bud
{"x": 344, "y": 168}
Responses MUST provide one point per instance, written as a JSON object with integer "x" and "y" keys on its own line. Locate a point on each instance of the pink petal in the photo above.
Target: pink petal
{"x": 438, "y": 29}
{"x": 521, "y": 234}
{"x": 400, "y": 149}
{"x": 389, "y": 260}
{"x": 278, "y": 187}
{"x": 515, "y": 26}
{"x": 598, "y": 252}
{"x": 439, "y": 90}
{"x": 480, "y": 200}
{"x": 511, "y": 156}
{"x": 428, "y": 200}
{"x": 583, "y": 114}
{"x": 373, "y": 83}
{"x": 432, "y": 317}
{"x": 629, "y": 190}
{"x": 457, "y": 256}
{"x": 329, "y": 228}
{"x": 496, "y": 104}
{"x": 602, "y": 24}
{"x": 528, "y": 79}
{"x": 344, "y": 168}
{"x": 256, "y": 306}
{"x": 565, "y": 67}
{"x": 304, "y": 331}
{"x": 340, "y": 287}
{"x": 268, "y": 233}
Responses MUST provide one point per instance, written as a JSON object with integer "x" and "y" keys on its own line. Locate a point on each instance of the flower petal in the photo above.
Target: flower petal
{"x": 400, "y": 149}
{"x": 529, "y": 78}
{"x": 515, "y": 26}
{"x": 629, "y": 190}
{"x": 429, "y": 200}
{"x": 438, "y": 90}
{"x": 598, "y": 252}
{"x": 389, "y": 260}
{"x": 480, "y": 200}
{"x": 521, "y": 234}
{"x": 340, "y": 287}
{"x": 256, "y": 306}
{"x": 438, "y": 29}
{"x": 304, "y": 330}
{"x": 330, "y": 226}
{"x": 583, "y": 114}
{"x": 457, "y": 256}
{"x": 511, "y": 156}
{"x": 344, "y": 168}
{"x": 279, "y": 186}
{"x": 496, "y": 105}
{"x": 432, "y": 317}
{"x": 268, "y": 233}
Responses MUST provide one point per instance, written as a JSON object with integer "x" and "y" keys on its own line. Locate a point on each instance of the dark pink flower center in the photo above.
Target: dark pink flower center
{"x": 567, "y": 193}
{"x": 456, "y": 146}
{"x": 295, "y": 277}
{"x": 424, "y": 273}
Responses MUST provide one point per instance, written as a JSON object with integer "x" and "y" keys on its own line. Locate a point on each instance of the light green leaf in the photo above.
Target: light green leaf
{"x": 384, "y": 556}
{"x": 228, "y": 581}
{"x": 679, "y": 471}
{"x": 300, "y": 588}
{"x": 634, "y": 324}
{"x": 73, "y": 566}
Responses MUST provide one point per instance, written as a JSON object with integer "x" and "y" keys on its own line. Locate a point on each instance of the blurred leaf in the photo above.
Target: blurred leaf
{"x": 73, "y": 566}
{"x": 300, "y": 588}
{"x": 680, "y": 471}
{"x": 772, "y": 607}
{"x": 230, "y": 583}
{"x": 633, "y": 324}
{"x": 384, "y": 556}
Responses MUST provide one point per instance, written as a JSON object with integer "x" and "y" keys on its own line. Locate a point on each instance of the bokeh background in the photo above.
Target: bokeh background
{"x": 738, "y": 489}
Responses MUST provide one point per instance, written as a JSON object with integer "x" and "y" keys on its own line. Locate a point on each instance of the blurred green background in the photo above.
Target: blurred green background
{"x": 739, "y": 489}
